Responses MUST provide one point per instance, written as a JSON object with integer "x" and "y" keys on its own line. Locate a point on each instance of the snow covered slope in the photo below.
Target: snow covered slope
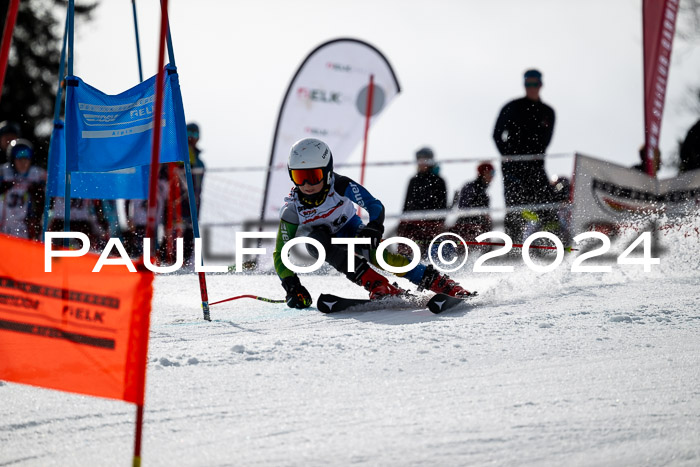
{"x": 541, "y": 369}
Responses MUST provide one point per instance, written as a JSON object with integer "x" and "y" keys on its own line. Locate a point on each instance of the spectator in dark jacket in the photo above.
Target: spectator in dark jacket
{"x": 690, "y": 150}
{"x": 474, "y": 195}
{"x": 196, "y": 163}
{"x": 524, "y": 127}
{"x": 642, "y": 166}
{"x": 426, "y": 192}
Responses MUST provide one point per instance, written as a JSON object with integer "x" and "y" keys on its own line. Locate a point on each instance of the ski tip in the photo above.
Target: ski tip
{"x": 441, "y": 302}
{"x": 326, "y": 302}
{"x": 332, "y": 303}
{"x": 437, "y": 303}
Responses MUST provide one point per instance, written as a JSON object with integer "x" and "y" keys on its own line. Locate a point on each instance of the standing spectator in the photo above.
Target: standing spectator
{"x": 426, "y": 192}
{"x": 22, "y": 188}
{"x": 524, "y": 127}
{"x": 137, "y": 219}
{"x": 195, "y": 162}
{"x": 642, "y": 166}
{"x": 177, "y": 218}
{"x": 690, "y": 150}
{"x": 9, "y": 131}
{"x": 86, "y": 216}
{"x": 474, "y": 195}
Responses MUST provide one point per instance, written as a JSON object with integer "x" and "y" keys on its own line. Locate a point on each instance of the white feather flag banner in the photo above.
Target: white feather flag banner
{"x": 327, "y": 99}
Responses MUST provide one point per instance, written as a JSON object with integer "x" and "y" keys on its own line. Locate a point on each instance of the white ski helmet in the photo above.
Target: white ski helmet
{"x": 307, "y": 155}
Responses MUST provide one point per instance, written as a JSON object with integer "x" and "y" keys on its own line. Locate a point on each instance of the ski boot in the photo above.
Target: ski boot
{"x": 377, "y": 285}
{"x": 441, "y": 283}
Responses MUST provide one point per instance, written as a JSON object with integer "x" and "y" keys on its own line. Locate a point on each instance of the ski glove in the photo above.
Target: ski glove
{"x": 373, "y": 230}
{"x": 297, "y": 295}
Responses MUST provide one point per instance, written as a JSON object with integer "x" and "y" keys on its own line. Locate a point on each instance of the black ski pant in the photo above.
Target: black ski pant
{"x": 336, "y": 255}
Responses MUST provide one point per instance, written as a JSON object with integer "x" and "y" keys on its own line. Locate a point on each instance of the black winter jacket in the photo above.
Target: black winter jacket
{"x": 426, "y": 191}
{"x": 524, "y": 126}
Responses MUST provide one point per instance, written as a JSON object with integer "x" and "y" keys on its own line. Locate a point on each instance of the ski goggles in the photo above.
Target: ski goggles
{"x": 301, "y": 176}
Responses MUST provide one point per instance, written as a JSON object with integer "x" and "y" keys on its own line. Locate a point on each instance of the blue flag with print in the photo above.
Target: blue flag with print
{"x": 106, "y": 133}
{"x": 131, "y": 183}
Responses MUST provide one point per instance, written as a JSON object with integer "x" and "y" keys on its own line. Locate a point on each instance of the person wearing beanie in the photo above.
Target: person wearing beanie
{"x": 426, "y": 191}
{"x": 642, "y": 166}
{"x": 195, "y": 162}
{"x": 22, "y": 187}
{"x": 524, "y": 127}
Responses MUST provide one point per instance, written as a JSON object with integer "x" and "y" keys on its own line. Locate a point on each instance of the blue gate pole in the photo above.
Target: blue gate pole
{"x": 56, "y": 122}
{"x": 138, "y": 42}
{"x": 71, "y": 49}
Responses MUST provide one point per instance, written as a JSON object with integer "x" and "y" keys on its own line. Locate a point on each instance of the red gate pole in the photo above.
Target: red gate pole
{"x": 368, "y": 116}
{"x": 7, "y": 39}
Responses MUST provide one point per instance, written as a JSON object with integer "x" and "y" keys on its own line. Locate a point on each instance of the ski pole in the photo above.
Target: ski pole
{"x": 263, "y": 299}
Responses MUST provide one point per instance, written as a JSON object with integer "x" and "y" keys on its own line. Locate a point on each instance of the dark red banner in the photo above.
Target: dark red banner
{"x": 659, "y": 24}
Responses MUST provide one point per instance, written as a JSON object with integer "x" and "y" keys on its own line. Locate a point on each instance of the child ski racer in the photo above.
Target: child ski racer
{"x": 320, "y": 206}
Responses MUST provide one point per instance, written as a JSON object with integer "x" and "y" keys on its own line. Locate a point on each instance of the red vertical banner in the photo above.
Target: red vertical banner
{"x": 7, "y": 39}
{"x": 659, "y": 26}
